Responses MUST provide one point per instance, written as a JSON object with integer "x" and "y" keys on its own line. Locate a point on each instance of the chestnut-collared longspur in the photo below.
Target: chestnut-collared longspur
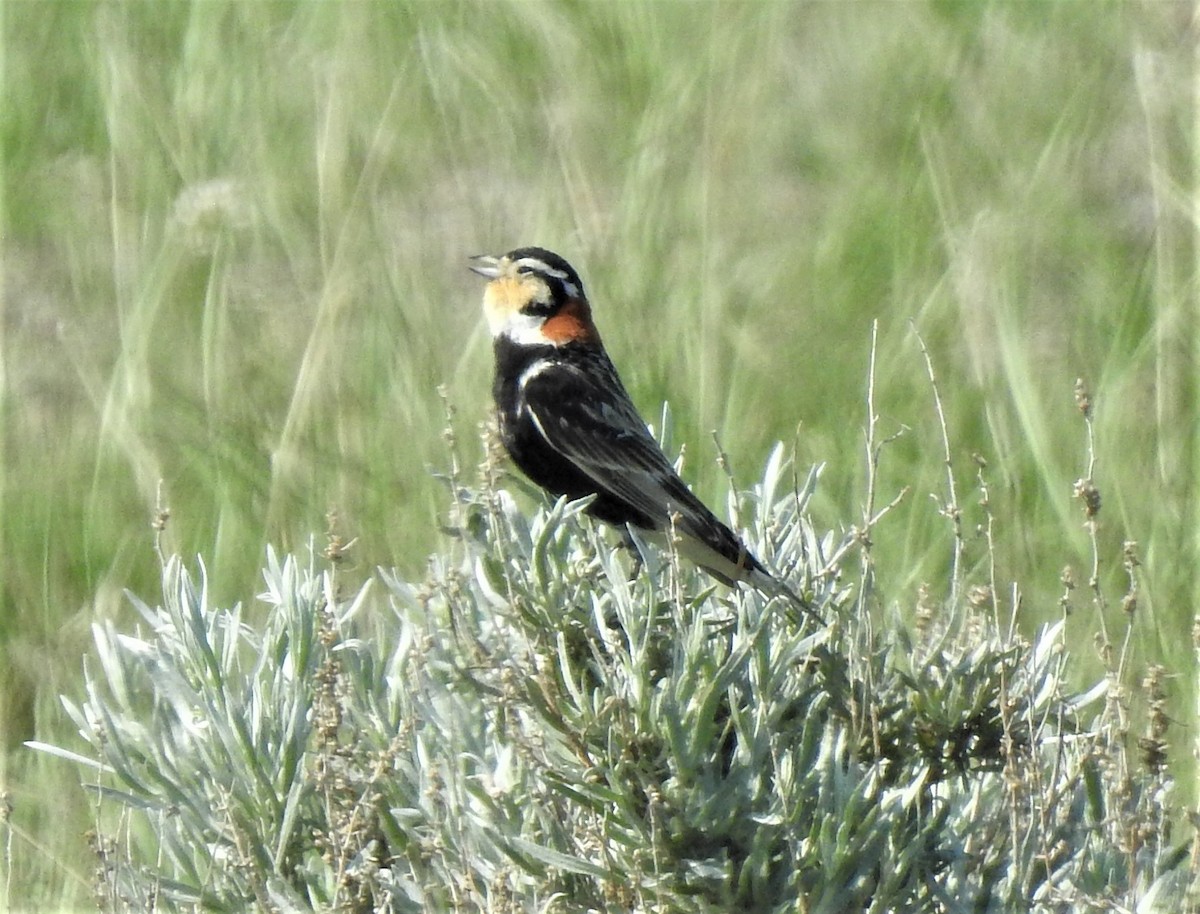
{"x": 569, "y": 425}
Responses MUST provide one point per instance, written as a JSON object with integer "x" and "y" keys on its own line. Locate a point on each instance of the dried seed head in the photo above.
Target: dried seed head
{"x": 336, "y": 546}
{"x": 162, "y": 512}
{"x": 979, "y": 596}
{"x": 1154, "y": 684}
{"x": 1067, "y": 577}
{"x": 159, "y": 523}
{"x": 1085, "y": 489}
{"x": 1130, "y": 556}
{"x": 1083, "y": 399}
{"x": 205, "y": 212}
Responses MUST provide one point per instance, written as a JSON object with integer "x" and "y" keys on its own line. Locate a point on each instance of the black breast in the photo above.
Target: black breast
{"x": 528, "y": 448}
{"x": 524, "y": 443}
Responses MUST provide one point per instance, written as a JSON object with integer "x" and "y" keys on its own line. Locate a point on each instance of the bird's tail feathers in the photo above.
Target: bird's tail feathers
{"x": 766, "y": 583}
{"x": 748, "y": 570}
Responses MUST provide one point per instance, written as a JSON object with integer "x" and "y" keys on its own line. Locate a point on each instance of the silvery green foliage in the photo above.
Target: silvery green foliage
{"x": 531, "y": 729}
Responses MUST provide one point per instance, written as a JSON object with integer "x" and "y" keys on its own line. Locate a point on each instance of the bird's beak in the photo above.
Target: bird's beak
{"x": 486, "y": 265}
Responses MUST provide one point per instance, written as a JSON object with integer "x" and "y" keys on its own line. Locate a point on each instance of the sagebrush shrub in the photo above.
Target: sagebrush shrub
{"x": 532, "y": 729}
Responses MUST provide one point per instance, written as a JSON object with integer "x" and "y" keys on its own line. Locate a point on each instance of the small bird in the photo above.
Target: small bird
{"x": 569, "y": 425}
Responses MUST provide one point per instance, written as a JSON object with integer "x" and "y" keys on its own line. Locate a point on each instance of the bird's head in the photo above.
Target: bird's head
{"x": 535, "y": 298}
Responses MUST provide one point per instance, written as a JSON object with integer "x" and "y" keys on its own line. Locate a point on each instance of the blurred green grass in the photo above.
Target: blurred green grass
{"x": 233, "y": 262}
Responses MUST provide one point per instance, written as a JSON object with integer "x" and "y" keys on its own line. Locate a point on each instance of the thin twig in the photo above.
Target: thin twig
{"x": 162, "y": 513}
{"x": 723, "y": 463}
{"x": 872, "y": 422}
{"x": 860, "y": 536}
{"x": 874, "y": 448}
{"x": 1087, "y": 492}
{"x": 863, "y": 538}
{"x": 951, "y": 508}
{"x": 867, "y": 573}
{"x": 985, "y": 503}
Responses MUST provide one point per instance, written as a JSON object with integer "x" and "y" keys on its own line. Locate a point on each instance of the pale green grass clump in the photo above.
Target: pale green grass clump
{"x": 529, "y": 729}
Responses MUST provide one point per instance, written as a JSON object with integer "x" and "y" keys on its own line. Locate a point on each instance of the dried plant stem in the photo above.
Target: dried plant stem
{"x": 735, "y": 520}
{"x": 834, "y": 561}
{"x": 1087, "y": 491}
{"x": 874, "y": 448}
{"x": 454, "y": 470}
{"x": 989, "y": 534}
{"x": 158, "y": 524}
{"x": 872, "y": 424}
{"x": 950, "y": 509}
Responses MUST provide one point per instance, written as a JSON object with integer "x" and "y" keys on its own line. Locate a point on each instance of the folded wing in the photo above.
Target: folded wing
{"x": 584, "y": 413}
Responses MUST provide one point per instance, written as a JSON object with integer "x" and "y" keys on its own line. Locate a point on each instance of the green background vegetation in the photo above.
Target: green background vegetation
{"x": 234, "y": 267}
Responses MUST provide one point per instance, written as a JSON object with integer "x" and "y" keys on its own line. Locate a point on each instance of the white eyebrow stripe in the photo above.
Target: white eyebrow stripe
{"x": 542, "y": 267}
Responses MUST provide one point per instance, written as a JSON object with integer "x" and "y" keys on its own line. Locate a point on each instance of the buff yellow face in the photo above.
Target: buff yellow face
{"x": 515, "y": 295}
{"x": 531, "y": 302}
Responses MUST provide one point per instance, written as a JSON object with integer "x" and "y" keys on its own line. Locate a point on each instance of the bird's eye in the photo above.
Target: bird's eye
{"x": 524, "y": 270}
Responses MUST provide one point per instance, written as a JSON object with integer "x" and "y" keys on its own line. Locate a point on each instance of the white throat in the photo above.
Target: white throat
{"x": 522, "y": 329}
